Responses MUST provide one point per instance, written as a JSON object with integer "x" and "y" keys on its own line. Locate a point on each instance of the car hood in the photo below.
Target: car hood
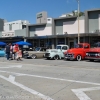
{"x": 95, "y": 49}
{"x": 74, "y": 50}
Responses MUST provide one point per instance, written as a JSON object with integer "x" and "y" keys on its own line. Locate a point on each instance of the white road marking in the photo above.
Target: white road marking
{"x": 26, "y": 88}
{"x": 11, "y": 78}
{"x": 81, "y": 95}
{"x": 59, "y": 79}
{"x": 12, "y": 66}
{"x": 80, "y": 92}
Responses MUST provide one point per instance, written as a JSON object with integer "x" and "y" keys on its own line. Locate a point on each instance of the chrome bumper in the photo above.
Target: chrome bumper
{"x": 70, "y": 58}
{"x": 92, "y": 58}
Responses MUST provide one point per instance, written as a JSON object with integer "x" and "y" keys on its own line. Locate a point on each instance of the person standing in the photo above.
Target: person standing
{"x": 19, "y": 55}
{"x": 11, "y": 51}
{"x": 7, "y": 50}
{"x": 14, "y": 52}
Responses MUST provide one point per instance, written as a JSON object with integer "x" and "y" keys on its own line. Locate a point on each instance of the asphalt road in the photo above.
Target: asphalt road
{"x": 40, "y": 79}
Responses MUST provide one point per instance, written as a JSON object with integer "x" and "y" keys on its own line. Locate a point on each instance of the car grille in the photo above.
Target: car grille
{"x": 47, "y": 54}
{"x": 91, "y": 54}
{"x": 69, "y": 55}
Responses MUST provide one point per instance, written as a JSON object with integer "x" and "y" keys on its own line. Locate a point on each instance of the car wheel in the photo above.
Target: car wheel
{"x": 25, "y": 57}
{"x": 33, "y": 56}
{"x": 91, "y": 60}
{"x": 48, "y": 58}
{"x": 56, "y": 57}
{"x": 79, "y": 58}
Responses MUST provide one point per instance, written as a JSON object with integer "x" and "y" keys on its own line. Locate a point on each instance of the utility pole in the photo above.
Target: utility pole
{"x": 78, "y": 1}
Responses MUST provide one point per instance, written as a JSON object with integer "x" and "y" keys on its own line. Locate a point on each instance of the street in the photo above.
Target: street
{"x": 40, "y": 79}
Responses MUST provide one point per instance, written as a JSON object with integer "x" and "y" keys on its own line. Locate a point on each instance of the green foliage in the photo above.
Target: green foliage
{"x": 76, "y": 13}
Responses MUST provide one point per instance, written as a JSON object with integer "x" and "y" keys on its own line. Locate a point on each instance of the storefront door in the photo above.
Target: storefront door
{"x": 71, "y": 44}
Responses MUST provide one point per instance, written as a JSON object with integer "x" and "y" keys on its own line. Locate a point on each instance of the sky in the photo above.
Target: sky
{"x": 12, "y": 10}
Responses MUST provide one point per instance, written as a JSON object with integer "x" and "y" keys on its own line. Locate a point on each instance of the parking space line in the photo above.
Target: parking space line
{"x": 12, "y": 66}
{"x": 26, "y": 88}
{"x": 52, "y": 78}
{"x": 80, "y": 92}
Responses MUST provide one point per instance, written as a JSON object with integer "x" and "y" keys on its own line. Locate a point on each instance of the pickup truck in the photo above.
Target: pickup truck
{"x": 57, "y": 53}
{"x": 78, "y": 53}
{"x": 94, "y": 53}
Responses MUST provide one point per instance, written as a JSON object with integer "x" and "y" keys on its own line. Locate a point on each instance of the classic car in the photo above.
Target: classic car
{"x": 94, "y": 53}
{"x": 57, "y": 53}
{"x": 78, "y": 53}
{"x": 38, "y": 53}
{"x": 2, "y": 53}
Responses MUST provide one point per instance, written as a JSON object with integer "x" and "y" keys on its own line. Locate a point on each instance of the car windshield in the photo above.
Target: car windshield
{"x": 78, "y": 46}
{"x": 58, "y": 47}
{"x": 37, "y": 49}
{"x": 96, "y": 44}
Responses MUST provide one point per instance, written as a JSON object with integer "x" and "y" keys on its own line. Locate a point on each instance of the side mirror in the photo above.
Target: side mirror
{"x": 86, "y": 47}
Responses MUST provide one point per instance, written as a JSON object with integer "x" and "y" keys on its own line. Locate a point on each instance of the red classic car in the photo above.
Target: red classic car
{"x": 78, "y": 53}
{"x": 94, "y": 53}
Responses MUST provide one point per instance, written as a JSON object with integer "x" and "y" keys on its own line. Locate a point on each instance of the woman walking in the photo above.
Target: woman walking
{"x": 19, "y": 55}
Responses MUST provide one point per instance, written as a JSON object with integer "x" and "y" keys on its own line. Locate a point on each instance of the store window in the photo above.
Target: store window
{"x": 10, "y": 26}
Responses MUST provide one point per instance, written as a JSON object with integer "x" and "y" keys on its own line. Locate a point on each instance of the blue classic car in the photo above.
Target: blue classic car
{"x": 2, "y": 53}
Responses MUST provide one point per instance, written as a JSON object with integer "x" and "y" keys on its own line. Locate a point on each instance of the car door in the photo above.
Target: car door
{"x": 64, "y": 48}
{"x": 86, "y": 49}
{"x": 41, "y": 53}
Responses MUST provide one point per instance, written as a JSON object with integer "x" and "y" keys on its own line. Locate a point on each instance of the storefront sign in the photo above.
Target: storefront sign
{"x": 8, "y": 34}
{"x": 39, "y": 15}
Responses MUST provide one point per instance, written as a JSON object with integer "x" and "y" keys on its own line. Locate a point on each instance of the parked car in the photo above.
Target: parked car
{"x": 78, "y": 53}
{"x": 38, "y": 53}
{"x": 2, "y": 53}
{"x": 94, "y": 53}
{"x": 57, "y": 53}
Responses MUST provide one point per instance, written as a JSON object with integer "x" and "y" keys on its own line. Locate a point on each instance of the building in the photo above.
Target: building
{"x": 11, "y": 27}
{"x": 1, "y": 24}
{"x": 41, "y": 17}
{"x": 62, "y": 30}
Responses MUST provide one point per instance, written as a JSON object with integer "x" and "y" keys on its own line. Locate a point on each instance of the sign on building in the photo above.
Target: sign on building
{"x": 8, "y": 34}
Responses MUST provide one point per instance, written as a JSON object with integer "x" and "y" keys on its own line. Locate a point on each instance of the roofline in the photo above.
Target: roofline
{"x": 54, "y": 36}
{"x": 98, "y": 9}
{"x": 66, "y": 35}
{"x": 37, "y": 24}
{"x": 70, "y": 17}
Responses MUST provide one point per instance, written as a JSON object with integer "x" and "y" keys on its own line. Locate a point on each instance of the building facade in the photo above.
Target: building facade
{"x": 1, "y": 24}
{"x": 63, "y": 30}
{"x": 11, "y": 27}
{"x": 41, "y": 17}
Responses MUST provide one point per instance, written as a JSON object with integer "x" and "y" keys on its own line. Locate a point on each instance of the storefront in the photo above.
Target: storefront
{"x": 11, "y": 39}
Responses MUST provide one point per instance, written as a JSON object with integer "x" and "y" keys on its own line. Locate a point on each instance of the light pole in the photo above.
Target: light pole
{"x": 78, "y": 1}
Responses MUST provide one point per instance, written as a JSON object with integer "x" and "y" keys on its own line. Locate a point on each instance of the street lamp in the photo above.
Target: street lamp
{"x": 78, "y": 1}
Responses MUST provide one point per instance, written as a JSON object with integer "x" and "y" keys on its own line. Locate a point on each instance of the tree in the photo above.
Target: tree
{"x": 76, "y": 13}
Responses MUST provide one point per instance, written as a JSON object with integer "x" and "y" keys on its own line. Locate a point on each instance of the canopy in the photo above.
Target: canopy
{"x": 2, "y": 43}
{"x": 22, "y": 43}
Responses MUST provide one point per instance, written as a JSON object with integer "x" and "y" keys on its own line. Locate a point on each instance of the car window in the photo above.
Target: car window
{"x": 43, "y": 49}
{"x": 37, "y": 49}
{"x": 78, "y": 46}
{"x": 58, "y": 47}
{"x": 64, "y": 48}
